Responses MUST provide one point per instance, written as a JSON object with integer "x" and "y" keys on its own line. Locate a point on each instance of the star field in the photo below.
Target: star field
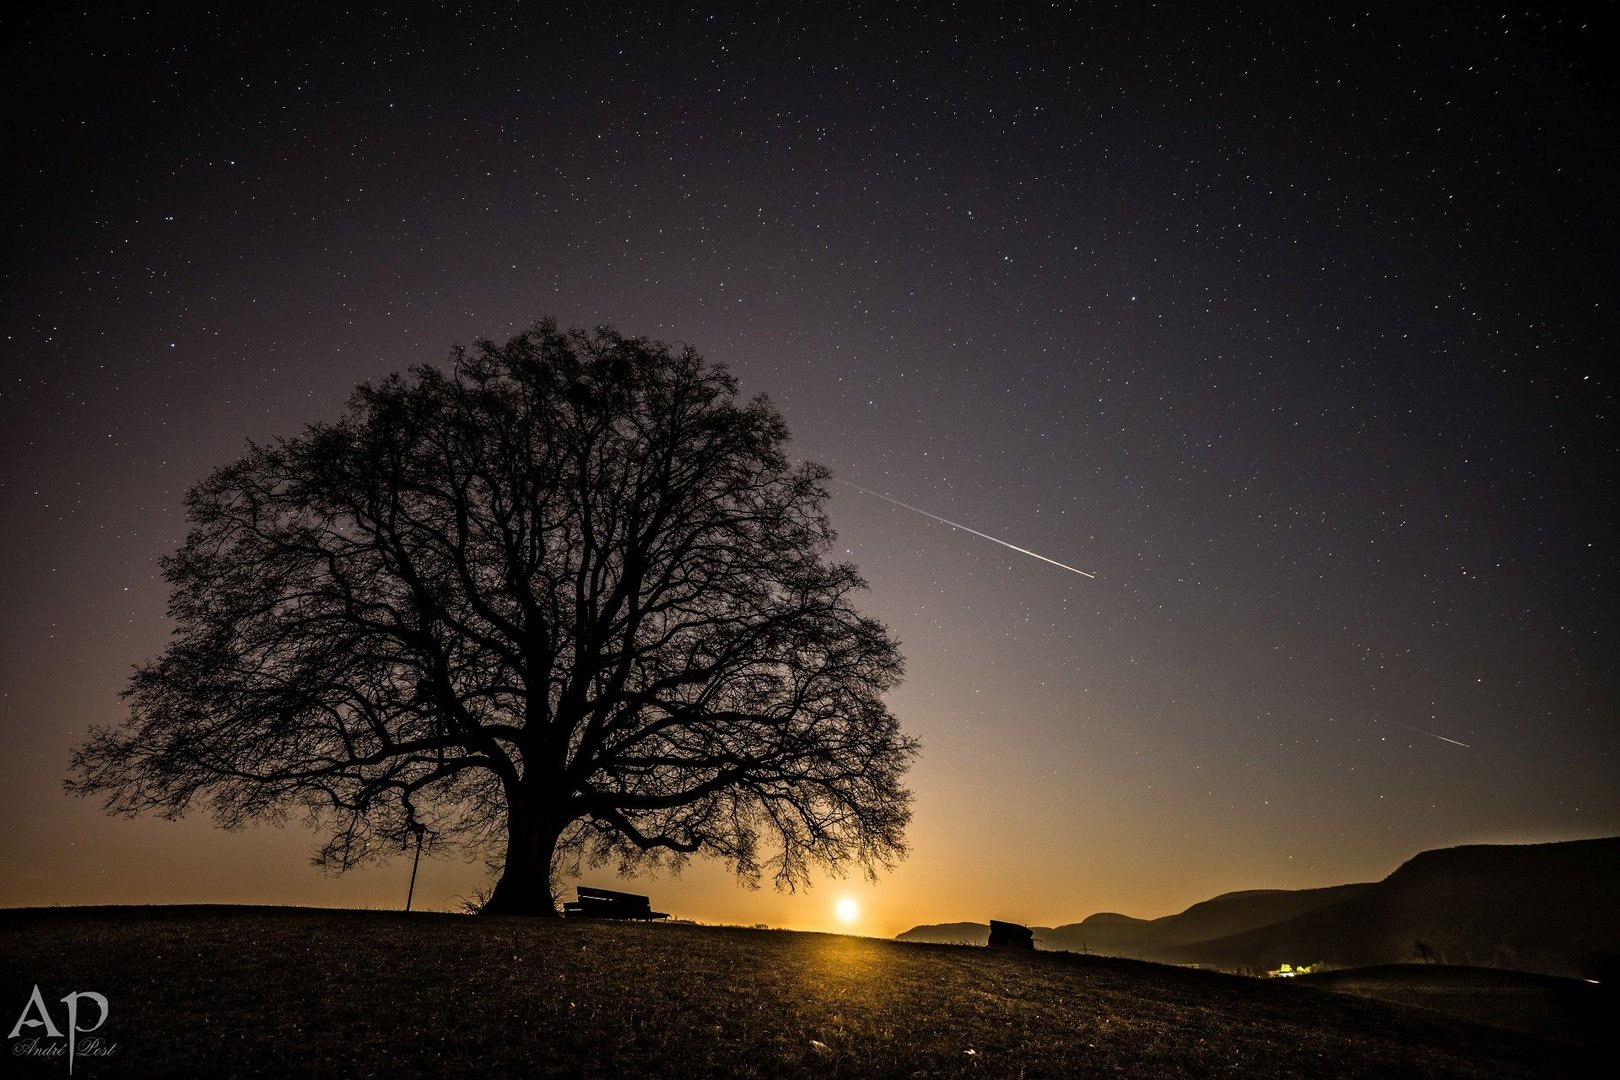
{"x": 1296, "y": 327}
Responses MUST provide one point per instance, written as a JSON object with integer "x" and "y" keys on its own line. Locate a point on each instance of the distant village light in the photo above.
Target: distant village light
{"x": 1288, "y": 971}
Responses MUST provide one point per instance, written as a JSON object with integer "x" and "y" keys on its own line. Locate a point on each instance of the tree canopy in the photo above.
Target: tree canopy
{"x": 567, "y": 603}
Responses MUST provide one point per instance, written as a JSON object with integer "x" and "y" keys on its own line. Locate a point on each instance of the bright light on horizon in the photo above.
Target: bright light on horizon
{"x": 848, "y": 910}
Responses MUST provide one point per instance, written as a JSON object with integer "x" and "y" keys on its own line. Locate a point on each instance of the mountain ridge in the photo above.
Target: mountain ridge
{"x": 1544, "y": 908}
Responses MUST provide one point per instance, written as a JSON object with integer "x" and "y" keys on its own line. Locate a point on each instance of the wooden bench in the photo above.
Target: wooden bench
{"x": 607, "y": 904}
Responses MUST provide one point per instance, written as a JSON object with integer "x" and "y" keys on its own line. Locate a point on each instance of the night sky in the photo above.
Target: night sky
{"x": 1297, "y": 329}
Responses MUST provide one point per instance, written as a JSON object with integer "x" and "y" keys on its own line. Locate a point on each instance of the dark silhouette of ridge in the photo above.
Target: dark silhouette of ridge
{"x": 1111, "y": 934}
{"x": 962, "y": 933}
{"x": 1221, "y": 916}
{"x": 1546, "y": 908}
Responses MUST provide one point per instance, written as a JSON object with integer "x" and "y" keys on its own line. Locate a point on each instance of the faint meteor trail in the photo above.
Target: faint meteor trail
{"x": 1430, "y": 734}
{"x": 964, "y": 528}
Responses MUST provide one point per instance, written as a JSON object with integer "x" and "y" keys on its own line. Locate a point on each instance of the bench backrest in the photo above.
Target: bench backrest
{"x": 611, "y": 897}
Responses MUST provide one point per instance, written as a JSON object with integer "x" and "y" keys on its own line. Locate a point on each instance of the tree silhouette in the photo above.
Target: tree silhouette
{"x": 569, "y": 604}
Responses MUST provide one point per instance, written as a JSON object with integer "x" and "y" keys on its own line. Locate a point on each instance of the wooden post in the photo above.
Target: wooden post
{"x": 411, "y": 892}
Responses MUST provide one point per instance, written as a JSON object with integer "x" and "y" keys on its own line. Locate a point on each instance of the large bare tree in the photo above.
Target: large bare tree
{"x": 568, "y": 601}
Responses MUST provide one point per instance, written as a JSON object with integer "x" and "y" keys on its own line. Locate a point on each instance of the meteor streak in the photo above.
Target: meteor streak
{"x": 1430, "y": 734}
{"x": 964, "y": 528}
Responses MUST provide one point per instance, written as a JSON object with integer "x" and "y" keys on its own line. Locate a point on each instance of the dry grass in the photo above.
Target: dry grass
{"x": 1564, "y": 1010}
{"x": 271, "y": 992}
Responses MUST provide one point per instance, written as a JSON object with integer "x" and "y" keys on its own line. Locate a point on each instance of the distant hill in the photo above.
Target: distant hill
{"x": 1547, "y": 908}
{"x": 1112, "y": 934}
{"x": 950, "y": 933}
{"x": 1222, "y": 916}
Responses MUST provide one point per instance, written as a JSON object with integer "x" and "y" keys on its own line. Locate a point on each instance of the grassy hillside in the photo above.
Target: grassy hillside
{"x": 1546, "y": 1005}
{"x": 267, "y": 992}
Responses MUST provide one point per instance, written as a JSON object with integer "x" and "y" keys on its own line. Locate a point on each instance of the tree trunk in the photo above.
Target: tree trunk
{"x": 525, "y": 884}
